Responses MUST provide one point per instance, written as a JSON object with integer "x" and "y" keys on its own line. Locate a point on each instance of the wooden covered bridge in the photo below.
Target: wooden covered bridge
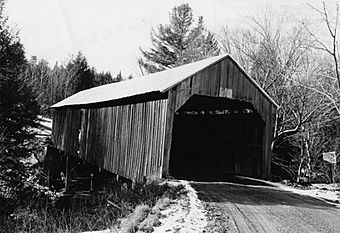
{"x": 205, "y": 117}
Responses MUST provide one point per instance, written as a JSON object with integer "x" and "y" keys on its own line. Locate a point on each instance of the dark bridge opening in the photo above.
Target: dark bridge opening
{"x": 214, "y": 137}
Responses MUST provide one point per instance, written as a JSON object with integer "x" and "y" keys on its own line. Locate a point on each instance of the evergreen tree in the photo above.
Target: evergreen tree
{"x": 179, "y": 42}
{"x": 38, "y": 77}
{"x": 51, "y": 85}
{"x": 103, "y": 78}
{"x": 81, "y": 76}
{"x": 18, "y": 109}
{"x": 59, "y": 78}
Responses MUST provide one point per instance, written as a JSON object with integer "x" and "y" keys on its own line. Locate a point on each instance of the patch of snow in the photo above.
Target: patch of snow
{"x": 46, "y": 122}
{"x": 196, "y": 219}
{"x": 44, "y": 127}
{"x": 324, "y": 191}
{"x": 184, "y": 215}
{"x": 103, "y": 231}
{"x": 181, "y": 215}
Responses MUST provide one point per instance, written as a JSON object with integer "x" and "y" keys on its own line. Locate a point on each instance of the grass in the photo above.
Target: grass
{"x": 86, "y": 213}
{"x": 130, "y": 224}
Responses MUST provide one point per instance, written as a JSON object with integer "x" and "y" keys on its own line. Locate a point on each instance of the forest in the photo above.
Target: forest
{"x": 290, "y": 59}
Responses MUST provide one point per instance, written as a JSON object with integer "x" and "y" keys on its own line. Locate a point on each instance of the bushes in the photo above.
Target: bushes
{"x": 45, "y": 213}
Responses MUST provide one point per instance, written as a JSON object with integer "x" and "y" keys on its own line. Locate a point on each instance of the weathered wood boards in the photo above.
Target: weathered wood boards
{"x": 133, "y": 139}
{"x": 65, "y": 130}
{"x": 218, "y": 80}
{"x": 127, "y": 140}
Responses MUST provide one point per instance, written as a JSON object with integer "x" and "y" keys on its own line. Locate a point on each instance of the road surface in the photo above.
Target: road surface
{"x": 252, "y": 206}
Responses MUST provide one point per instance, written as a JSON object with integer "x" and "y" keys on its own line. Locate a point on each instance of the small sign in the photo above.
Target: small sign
{"x": 330, "y": 157}
{"x": 225, "y": 92}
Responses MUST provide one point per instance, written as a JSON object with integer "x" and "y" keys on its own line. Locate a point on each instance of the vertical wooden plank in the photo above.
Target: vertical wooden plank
{"x": 156, "y": 138}
{"x": 136, "y": 159}
{"x": 134, "y": 130}
{"x": 231, "y": 78}
{"x": 153, "y": 132}
{"x": 269, "y": 133}
{"x": 140, "y": 142}
{"x": 195, "y": 83}
{"x": 118, "y": 140}
{"x": 224, "y": 74}
{"x": 67, "y": 171}
{"x": 144, "y": 137}
{"x": 132, "y": 152}
{"x": 112, "y": 152}
{"x": 217, "y": 79}
{"x": 238, "y": 86}
{"x": 128, "y": 140}
{"x": 162, "y": 147}
{"x": 160, "y": 139}
{"x": 148, "y": 139}
{"x": 109, "y": 136}
{"x": 168, "y": 130}
{"x": 242, "y": 93}
{"x": 128, "y": 171}
{"x": 204, "y": 84}
{"x": 247, "y": 89}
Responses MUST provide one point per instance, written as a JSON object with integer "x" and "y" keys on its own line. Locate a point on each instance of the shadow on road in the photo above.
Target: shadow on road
{"x": 241, "y": 193}
{"x": 223, "y": 178}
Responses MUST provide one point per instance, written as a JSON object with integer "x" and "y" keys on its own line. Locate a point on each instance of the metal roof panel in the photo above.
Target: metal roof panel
{"x": 156, "y": 82}
{"x": 160, "y": 81}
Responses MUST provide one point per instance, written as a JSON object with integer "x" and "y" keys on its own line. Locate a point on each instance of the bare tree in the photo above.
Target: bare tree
{"x": 332, "y": 25}
{"x": 274, "y": 57}
{"x": 282, "y": 61}
{"x": 328, "y": 83}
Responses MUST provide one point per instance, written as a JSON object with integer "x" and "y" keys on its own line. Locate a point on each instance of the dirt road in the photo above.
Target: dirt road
{"x": 252, "y": 206}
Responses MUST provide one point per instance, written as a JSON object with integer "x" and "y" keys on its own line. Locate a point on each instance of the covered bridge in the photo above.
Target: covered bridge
{"x": 205, "y": 117}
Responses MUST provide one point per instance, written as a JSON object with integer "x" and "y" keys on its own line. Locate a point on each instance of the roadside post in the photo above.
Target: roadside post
{"x": 331, "y": 157}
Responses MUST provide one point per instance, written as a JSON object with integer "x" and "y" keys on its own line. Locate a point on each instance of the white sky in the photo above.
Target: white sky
{"x": 110, "y": 32}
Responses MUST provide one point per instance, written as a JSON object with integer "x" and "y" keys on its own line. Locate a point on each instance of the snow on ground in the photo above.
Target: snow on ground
{"x": 328, "y": 192}
{"x": 46, "y": 122}
{"x": 184, "y": 215}
{"x": 187, "y": 213}
{"x": 44, "y": 127}
{"x": 103, "y": 231}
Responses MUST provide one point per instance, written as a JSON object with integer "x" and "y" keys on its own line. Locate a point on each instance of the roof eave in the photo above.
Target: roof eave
{"x": 176, "y": 83}
{"x": 255, "y": 83}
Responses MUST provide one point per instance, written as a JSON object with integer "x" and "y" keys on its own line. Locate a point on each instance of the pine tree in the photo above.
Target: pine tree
{"x": 103, "y": 78}
{"x": 38, "y": 77}
{"x": 18, "y": 109}
{"x": 179, "y": 42}
{"x": 81, "y": 76}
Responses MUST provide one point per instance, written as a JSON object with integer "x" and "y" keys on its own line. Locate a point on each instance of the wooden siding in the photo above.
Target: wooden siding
{"x": 134, "y": 139}
{"x": 214, "y": 80}
{"x": 217, "y": 80}
{"x": 127, "y": 140}
{"x": 65, "y": 130}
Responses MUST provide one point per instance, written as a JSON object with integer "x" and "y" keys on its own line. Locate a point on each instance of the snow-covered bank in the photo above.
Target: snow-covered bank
{"x": 328, "y": 192}
{"x": 44, "y": 127}
{"x": 185, "y": 214}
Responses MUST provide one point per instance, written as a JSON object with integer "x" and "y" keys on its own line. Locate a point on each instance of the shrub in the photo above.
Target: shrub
{"x": 50, "y": 213}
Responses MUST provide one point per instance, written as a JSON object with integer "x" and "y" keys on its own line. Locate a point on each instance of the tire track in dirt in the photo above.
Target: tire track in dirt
{"x": 248, "y": 218}
{"x": 249, "y": 208}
